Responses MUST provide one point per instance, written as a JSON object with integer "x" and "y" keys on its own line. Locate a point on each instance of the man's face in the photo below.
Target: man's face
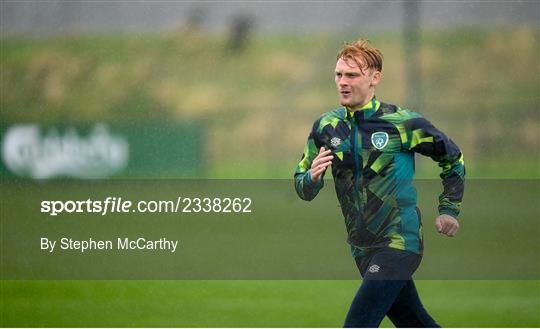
{"x": 355, "y": 86}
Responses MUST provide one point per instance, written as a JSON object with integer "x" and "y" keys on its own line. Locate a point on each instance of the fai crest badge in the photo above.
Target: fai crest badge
{"x": 379, "y": 140}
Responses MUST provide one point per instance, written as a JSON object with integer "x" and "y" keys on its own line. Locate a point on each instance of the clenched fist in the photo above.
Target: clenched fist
{"x": 447, "y": 224}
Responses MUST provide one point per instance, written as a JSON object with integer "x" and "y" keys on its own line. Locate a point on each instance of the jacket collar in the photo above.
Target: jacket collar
{"x": 371, "y": 107}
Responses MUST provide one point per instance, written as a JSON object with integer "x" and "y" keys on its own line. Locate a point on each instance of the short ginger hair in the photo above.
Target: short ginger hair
{"x": 363, "y": 54}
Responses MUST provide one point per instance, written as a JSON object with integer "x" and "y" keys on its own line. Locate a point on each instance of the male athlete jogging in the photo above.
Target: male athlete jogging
{"x": 370, "y": 146}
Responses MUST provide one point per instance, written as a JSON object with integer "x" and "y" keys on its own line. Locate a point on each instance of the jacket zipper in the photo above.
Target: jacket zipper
{"x": 356, "y": 155}
{"x": 357, "y": 160}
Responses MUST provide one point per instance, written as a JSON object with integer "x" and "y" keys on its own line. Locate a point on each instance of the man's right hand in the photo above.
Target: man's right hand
{"x": 320, "y": 163}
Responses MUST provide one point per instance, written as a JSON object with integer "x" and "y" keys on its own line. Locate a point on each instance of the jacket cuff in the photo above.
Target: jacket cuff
{"x": 448, "y": 211}
{"x": 315, "y": 185}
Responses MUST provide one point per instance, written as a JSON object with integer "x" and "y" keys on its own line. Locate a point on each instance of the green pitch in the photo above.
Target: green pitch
{"x": 251, "y": 303}
{"x": 279, "y": 303}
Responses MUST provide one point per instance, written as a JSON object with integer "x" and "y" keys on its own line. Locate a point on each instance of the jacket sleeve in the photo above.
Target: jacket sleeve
{"x": 305, "y": 187}
{"x": 427, "y": 140}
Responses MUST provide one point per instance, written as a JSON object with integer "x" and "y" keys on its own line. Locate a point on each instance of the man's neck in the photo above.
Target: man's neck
{"x": 365, "y": 105}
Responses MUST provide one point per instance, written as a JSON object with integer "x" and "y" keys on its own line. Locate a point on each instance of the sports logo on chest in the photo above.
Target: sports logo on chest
{"x": 335, "y": 141}
{"x": 379, "y": 139}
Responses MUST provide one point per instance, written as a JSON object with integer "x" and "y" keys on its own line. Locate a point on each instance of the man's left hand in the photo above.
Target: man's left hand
{"x": 447, "y": 224}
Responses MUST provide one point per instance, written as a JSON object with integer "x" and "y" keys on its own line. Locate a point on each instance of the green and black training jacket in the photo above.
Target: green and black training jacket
{"x": 373, "y": 170}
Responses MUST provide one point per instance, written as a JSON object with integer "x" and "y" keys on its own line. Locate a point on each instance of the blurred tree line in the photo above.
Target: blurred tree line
{"x": 258, "y": 96}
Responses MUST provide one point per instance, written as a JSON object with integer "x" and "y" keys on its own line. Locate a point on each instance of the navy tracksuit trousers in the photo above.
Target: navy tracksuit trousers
{"x": 388, "y": 289}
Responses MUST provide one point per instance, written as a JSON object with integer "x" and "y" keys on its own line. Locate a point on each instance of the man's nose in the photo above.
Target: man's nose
{"x": 343, "y": 82}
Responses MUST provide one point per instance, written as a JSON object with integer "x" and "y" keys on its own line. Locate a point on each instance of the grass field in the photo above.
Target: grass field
{"x": 251, "y": 303}
{"x": 256, "y": 129}
{"x": 499, "y": 227}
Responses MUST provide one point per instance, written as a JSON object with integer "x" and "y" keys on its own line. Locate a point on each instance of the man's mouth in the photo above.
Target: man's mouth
{"x": 345, "y": 93}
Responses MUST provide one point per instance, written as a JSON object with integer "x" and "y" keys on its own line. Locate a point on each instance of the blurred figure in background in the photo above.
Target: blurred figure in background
{"x": 241, "y": 28}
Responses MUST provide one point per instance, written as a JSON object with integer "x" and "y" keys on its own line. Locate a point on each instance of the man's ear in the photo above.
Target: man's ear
{"x": 376, "y": 78}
